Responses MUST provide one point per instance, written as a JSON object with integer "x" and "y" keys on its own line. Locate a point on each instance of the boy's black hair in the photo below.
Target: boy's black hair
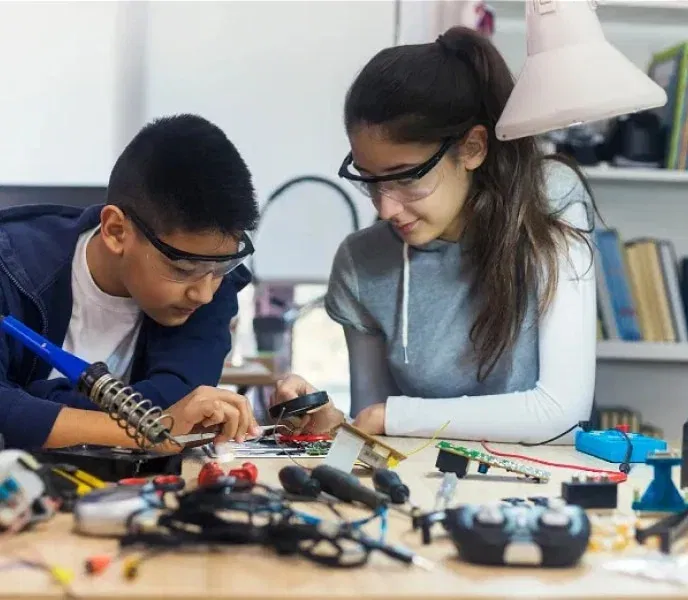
{"x": 181, "y": 173}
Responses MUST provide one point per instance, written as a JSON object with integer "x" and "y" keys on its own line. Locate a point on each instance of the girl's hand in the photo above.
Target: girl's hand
{"x": 372, "y": 419}
{"x": 322, "y": 420}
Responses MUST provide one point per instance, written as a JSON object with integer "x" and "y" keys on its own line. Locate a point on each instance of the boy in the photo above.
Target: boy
{"x": 146, "y": 283}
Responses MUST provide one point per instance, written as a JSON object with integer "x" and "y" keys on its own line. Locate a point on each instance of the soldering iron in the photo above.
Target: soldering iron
{"x": 142, "y": 421}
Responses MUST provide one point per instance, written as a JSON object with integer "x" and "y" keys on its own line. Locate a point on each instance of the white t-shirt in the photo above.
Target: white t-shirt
{"x": 102, "y": 327}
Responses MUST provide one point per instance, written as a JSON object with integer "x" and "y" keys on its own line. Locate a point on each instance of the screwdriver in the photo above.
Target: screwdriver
{"x": 296, "y": 480}
{"x": 387, "y": 482}
{"x": 347, "y": 487}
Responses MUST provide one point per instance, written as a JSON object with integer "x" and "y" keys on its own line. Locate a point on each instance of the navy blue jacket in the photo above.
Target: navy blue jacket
{"x": 37, "y": 244}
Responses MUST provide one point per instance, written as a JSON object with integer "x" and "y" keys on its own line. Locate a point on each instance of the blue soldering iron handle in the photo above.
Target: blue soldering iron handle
{"x": 69, "y": 365}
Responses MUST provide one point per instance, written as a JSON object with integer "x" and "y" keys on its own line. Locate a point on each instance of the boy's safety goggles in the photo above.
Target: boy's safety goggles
{"x": 409, "y": 185}
{"x": 181, "y": 266}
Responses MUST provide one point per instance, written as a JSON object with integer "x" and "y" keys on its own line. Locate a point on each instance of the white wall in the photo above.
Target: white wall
{"x": 273, "y": 75}
{"x": 62, "y": 90}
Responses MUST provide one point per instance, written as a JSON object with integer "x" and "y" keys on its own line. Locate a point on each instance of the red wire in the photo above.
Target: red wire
{"x": 615, "y": 476}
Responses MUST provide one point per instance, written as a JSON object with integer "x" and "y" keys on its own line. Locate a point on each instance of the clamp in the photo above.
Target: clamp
{"x": 668, "y": 530}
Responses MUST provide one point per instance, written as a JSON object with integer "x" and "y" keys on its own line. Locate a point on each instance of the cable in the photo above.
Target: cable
{"x": 582, "y": 424}
{"x": 613, "y": 475}
{"x": 197, "y": 521}
{"x": 624, "y": 466}
{"x": 424, "y": 445}
{"x": 355, "y": 222}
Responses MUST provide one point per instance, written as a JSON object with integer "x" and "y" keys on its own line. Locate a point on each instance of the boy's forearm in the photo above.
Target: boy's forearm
{"x": 74, "y": 426}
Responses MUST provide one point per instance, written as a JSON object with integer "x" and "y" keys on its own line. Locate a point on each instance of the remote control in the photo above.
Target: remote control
{"x": 502, "y": 534}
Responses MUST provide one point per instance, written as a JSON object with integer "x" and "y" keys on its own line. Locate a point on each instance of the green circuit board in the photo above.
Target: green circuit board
{"x": 491, "y": 460}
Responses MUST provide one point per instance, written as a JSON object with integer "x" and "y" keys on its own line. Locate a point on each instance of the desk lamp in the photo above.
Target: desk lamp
{"x": 572, "y": 75}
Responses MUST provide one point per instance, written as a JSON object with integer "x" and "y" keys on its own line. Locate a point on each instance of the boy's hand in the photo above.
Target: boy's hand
{"x": 213, "y": 409}
{"x": 323, "y": 420}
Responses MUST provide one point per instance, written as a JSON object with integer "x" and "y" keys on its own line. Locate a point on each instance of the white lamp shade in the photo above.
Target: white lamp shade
{"x": 572, "y": 75}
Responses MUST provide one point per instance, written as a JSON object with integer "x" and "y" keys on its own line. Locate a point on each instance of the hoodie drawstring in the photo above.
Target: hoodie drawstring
{"x": 405, "y": 301}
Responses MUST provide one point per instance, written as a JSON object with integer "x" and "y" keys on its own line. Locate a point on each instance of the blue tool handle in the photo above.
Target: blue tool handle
{"x": 69, "y": 365}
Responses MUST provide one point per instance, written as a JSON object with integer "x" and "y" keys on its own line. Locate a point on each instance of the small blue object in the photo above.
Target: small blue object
{"x": 483, "y": 468}
{"x": 661, "y": 495}
{"x": 72, "y": 367}
{"x": 611, "y": 445}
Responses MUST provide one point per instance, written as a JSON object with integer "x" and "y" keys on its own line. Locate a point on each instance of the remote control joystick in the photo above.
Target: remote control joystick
{"x": 555, "y": 518}
{"x": 490, "y": 514}
{"x": 522, "y": 535}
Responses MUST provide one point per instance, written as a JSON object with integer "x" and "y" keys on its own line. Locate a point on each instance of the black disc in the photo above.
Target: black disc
{"x": 299, "y": 406}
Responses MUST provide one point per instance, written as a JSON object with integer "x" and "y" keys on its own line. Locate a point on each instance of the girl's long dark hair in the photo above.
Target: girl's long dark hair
{"x": 431, "y": 92}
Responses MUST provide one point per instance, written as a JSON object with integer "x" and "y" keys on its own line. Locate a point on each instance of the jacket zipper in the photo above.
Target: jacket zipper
{"x": 41, "y": 310}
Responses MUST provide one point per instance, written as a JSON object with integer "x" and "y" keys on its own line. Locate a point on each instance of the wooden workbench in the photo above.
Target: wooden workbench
{"x": 258, "y": 574}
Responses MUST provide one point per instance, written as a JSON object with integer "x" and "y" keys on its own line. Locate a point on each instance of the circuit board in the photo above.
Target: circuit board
{"x": 269, "y": 447}
{"x": 490, "y": 460}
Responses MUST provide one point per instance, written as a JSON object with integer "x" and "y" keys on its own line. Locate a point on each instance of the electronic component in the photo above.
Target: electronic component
{"x": 113, "y": 464}
{"x": 142, "y": 421}
{"x": 273, "y": 447}
{"x": 618, "y": 445}
{"x": 210, "y": 474}
{"x": 308, "y": 438}
{"x": 590, "y": 491}
{"x": 352, "y": 445}
{"x": 684, "y": 457}
{"x": 346, "y": 487}
{"x": 299, "y": 406}
{"x": 455, "y": 459}
{"x": 248, "y": 472}
{"x": 24, "y": 499}
{"x": 523, "y": 535}
{"x": 661, "y": 495}
{"x": 296, "y": 480}
{"x": 389, "y": 483}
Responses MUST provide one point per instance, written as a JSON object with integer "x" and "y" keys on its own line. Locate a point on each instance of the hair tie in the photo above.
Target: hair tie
{"x": 442, "y": 42}
{"x": 455, "y": 50}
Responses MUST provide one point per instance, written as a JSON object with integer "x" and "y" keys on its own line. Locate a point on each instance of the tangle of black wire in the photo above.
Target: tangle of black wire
{"x": 207, "y": 517}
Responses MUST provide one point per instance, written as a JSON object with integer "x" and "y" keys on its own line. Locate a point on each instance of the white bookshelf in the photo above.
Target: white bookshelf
{"x": 659, "y": 352}
{"x": 633, "y": 175}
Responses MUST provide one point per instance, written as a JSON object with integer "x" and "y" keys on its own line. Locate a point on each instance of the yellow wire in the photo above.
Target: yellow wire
{"x": 430, "y": 441}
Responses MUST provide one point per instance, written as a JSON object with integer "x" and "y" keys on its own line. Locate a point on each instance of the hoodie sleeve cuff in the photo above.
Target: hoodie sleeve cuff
{"x": 404, "y": 416}
{"x": 414, "y": 417}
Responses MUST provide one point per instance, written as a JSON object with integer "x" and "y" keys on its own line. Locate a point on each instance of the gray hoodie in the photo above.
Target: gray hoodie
{"x": 408, "y": 311}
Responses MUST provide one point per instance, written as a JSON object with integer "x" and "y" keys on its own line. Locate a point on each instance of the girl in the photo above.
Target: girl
{"x": 472, "y": 299}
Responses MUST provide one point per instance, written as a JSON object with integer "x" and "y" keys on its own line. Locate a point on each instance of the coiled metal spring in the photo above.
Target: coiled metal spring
{"x": 143, "y": 422}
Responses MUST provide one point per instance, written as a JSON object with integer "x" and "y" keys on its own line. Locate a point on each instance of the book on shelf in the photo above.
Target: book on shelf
{"x": 669, "y": 69}
{"x": 640, "y": 296}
